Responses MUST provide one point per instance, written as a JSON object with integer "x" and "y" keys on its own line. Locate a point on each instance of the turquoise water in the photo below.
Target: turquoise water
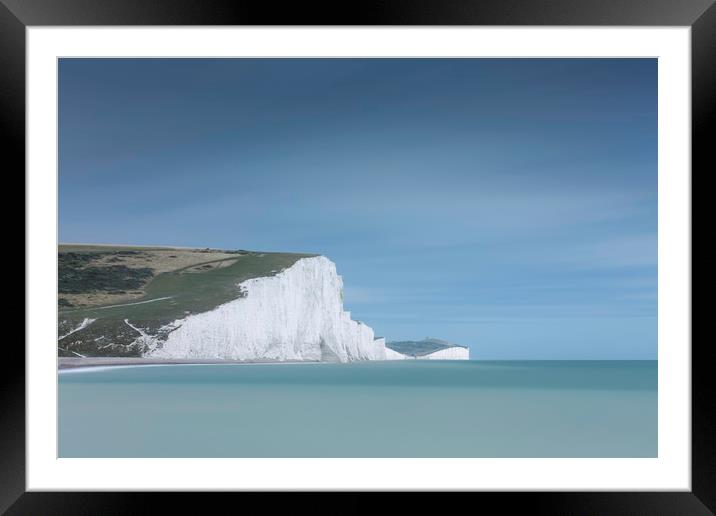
{"x": 370, "y": 409}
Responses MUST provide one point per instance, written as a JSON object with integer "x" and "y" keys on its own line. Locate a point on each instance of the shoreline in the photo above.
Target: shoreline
{"x": 75, "y": 363}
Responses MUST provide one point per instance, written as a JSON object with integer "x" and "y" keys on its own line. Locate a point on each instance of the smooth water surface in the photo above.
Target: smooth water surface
{"x": 370, "y": 409}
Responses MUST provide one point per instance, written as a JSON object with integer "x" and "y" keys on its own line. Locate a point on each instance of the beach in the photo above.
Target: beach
{"x": 65, "y": 363}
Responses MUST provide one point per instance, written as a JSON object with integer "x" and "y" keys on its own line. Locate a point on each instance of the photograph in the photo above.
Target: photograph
{"x": 431, "y": 248}
{"x": 357, "y": 257}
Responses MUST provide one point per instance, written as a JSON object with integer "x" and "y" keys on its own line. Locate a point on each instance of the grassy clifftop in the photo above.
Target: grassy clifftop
{"x": 419, "y": 348}
{"x": 147, "y": 286}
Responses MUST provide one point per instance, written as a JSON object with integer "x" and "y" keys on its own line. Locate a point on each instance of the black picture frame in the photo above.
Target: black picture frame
{"x": 700, "y": 15}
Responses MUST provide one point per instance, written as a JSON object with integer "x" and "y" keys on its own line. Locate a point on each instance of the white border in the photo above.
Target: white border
{"x": 671, "y": 470}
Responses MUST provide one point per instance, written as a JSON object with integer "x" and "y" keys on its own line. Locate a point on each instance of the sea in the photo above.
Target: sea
{"x": 410, "y": 408}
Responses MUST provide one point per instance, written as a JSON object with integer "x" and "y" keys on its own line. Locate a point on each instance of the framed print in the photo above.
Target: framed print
{"x": 242, "y": 225}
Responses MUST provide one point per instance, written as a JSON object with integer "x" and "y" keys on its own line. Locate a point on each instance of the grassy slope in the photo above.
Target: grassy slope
{"x": 418, "y": 348}
{"x": 187, "y": 290}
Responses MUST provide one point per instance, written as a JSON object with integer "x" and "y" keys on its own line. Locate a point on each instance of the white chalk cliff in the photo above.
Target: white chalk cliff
{"x": 394, "y": 355}
{"x": 452, "y": 353}
{"x": 295, "y": 315}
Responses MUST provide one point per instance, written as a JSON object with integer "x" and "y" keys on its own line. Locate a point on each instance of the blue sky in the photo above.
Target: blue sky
{"x": 506, "y": 204}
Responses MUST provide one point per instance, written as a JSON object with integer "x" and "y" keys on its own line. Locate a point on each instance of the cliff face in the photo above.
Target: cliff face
{"x": 394, "y": 355}
{"x": 205, "y": 304}
{"x": 295, "y": 315}
{"x": 426, "y": 349}
{"x": 454, "y": 353}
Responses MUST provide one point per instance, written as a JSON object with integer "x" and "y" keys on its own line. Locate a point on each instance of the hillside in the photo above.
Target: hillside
{"x": 427, "y": 346}
{"x": 108, "y": 296}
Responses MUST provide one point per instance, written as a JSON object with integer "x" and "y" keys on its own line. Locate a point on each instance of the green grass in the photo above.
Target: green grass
{"x": 188, "y": 290}
{"x": 101, "y": 248}
{"x": 193, "y": 291}
{"x": 419, "y": 348}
